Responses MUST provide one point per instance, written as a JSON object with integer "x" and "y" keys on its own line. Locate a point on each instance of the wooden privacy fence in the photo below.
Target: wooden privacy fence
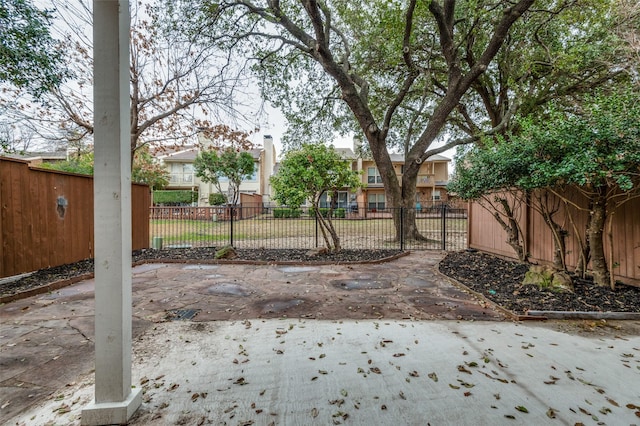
{"x": 46, "y": 217}
{"x": 486, "y": 234}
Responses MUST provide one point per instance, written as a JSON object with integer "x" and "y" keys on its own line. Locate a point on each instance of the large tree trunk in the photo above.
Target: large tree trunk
{"x": 595, "y": 234}
{"x": 402, "y": 201}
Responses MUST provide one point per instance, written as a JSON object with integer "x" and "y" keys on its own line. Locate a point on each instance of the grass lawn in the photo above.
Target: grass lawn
{"x": 264, "y": 230}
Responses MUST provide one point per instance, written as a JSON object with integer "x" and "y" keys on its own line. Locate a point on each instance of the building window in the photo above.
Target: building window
{"x": 341, "y": 203}
{"x": 373, "y": 176}
{"x": 375, "y": 201}
{"x": 181, "y": 173}
{"x": 436, "y": 195}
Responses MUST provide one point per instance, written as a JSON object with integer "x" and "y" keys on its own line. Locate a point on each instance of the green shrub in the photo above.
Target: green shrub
{"x": 337, "y": 213}
{"x": 217, "y": 199}
{"x": 175, "y": 198}
{"x": 286, "y": 212}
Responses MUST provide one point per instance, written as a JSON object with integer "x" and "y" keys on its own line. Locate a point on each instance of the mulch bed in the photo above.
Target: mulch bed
{"x": 500, "y": 281}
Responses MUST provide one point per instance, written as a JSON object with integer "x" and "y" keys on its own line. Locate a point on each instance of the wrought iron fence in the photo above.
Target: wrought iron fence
{"x": 439, "y": 228}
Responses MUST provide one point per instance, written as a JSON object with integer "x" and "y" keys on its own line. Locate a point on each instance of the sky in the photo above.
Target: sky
{"x": 276, "y": 125}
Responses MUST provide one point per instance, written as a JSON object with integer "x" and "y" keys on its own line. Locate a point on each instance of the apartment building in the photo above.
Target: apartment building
{"x": 180, "y": 164}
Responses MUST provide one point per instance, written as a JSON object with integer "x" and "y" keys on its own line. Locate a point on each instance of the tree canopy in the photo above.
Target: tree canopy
{"x": 406, "y": 75}
{"x": 29, "y": 57}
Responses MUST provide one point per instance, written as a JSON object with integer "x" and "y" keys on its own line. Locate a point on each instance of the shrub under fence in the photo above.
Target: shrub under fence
{"x": 258, "y": 227}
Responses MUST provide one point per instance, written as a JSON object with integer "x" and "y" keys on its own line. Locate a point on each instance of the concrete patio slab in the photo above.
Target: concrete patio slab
{"x": 295, "y": 372}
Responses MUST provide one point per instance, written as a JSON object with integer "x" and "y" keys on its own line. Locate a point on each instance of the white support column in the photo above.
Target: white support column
{"x": 115, "y": 401}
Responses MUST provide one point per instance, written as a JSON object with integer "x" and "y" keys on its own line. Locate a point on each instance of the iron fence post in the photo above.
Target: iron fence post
{"x": 443, "y": 221}
{"x": 401, "y": 228}
{"x": 315, "y": 216}
{"x": 231, "y": 226}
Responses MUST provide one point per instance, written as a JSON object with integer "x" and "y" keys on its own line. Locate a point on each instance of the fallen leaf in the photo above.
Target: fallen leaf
{"x": 383, "y": 407}
{"x": 605, "y": 410}
{"x": 467, "y": 394}
{"x": 314, "y": 412}
{"x": 375, "y": 370}
{"x": 463, "y": 370}
{"x": 241, "y": 381}
{"x": 509, "y": 416}
{"x": 337, "y": 402}
{"x": 551, "y": 413}
{"x": 584, "y": 411}
{"x": 522, "y": 409}
{"x": 433, "y": 376}
{"x": 401, "y": 394}
{"x": 414, "y": 374}
{"x": 453, "y": 386}
{"x": 398, "y": 355}
{"x": 343, "y": 392}
{"x": 230, "y": 409}
{"x": 612, "y": 402}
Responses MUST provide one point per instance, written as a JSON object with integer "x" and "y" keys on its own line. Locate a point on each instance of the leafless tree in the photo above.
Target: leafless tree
{"x": 178, "y": 85}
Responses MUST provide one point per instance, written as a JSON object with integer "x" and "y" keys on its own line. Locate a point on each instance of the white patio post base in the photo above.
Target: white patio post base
{"x": 112, "y": 413}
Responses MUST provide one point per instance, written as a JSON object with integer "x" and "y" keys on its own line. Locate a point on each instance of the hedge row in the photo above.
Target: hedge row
{"x": 286, "y": 213}
{"x": 175, "y": 198}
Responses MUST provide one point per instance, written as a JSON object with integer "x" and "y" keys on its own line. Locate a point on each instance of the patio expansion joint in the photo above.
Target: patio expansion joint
{"x": 76, "y": 329}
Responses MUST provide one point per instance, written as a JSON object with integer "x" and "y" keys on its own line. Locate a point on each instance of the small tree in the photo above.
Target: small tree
{"x": 211, "y": 166}
{"x": 217, "y": 199}
{"x": 486, "y": 175}
{"x": 308, "y": 173}
{"x": 147, "y": 170}
{"x": 81, "y": 164}
{"x": 595, "y": 149}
